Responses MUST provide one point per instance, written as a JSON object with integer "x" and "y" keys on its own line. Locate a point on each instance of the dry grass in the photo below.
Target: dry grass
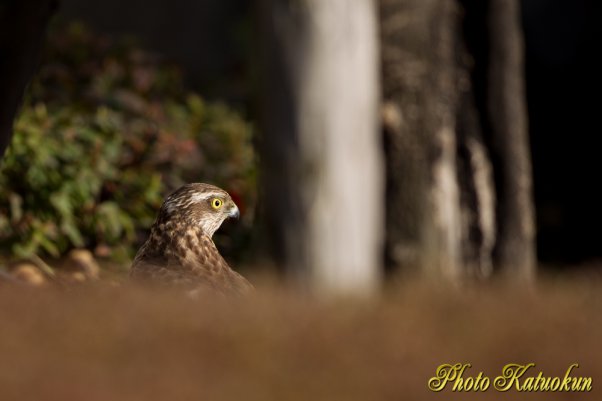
{"x": 95, "y": 343}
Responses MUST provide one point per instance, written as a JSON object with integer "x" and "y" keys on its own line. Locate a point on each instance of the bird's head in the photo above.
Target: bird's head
{"x": 202, "y": 205}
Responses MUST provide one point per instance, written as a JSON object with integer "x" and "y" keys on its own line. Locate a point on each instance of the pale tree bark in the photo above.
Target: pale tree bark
{"x": 22, "y": 30}
{"x": 322, "y": 170}
{"x": 515, "y": 250}
{"x": 458, "y": 168}
{"x": 419, "y": 75}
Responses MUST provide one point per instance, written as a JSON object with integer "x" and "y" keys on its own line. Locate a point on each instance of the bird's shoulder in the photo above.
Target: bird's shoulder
{"x": 206, "y": 262}
{"x": 187, "y": 258}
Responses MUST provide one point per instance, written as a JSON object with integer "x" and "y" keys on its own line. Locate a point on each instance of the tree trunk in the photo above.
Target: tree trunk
{"x": 515, "y": 250}
{"x": 458, "y": 170}
{"x": 419, "y": 74}
{"x": 321, "y": 151}
{"x": 22, "y": 29}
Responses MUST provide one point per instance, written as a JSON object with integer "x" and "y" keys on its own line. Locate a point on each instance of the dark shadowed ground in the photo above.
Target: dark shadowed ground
{"x": 100, "y": 343}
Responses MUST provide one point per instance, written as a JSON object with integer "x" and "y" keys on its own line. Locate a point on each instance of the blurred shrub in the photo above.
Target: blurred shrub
{"x": 105, "y": 132}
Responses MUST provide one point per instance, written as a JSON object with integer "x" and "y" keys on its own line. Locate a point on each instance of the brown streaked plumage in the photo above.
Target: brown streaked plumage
{"x": 180, "y": 251}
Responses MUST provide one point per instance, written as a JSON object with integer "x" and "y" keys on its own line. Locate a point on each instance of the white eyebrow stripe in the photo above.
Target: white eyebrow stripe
{"x": 202, "y": 196}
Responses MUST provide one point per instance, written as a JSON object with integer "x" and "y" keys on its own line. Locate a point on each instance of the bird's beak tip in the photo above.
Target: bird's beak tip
{"x": 234, "y": 213}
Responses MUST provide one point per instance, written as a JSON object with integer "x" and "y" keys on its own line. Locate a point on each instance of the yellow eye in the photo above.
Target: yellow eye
{"x": 216, "y": 203}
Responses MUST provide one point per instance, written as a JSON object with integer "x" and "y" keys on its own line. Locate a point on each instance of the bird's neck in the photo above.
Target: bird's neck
{"x": 168, "y": 233}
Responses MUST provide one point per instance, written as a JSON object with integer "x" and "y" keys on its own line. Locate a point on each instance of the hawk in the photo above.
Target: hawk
{"x": 180, "y": 250}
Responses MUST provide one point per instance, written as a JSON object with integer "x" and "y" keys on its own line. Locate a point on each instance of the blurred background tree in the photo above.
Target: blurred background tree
{"x": 322, "y": 160}
{"x": 22, "y": 29}
{"x": 459, "y": 169}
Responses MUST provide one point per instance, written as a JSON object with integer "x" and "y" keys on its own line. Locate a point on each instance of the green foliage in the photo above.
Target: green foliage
{"x": 105, "y": 132}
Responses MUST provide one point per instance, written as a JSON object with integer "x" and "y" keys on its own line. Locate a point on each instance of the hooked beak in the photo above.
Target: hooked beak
{"x": 234, "y": 212}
